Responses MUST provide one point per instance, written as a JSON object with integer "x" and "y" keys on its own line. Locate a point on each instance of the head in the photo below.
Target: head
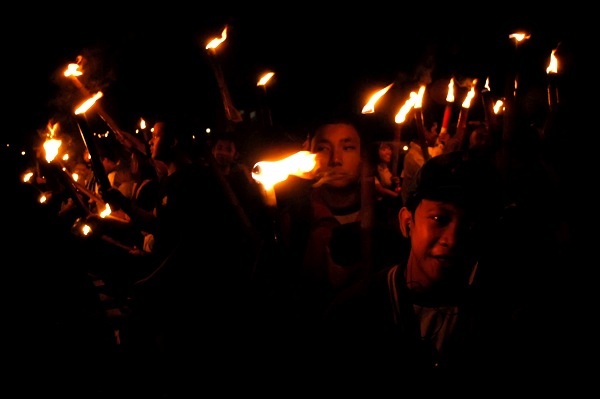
{"x": 451, "y": 202}
{"x": 224, "y": 150}
{"x": 384, "y": 152}
{"x": 169, "y": 142}
{"x": 83, "y": 171}
{"x": 338, "y": 148}
{"x": 110, "y": 157}
{"x": 480, "y": 138}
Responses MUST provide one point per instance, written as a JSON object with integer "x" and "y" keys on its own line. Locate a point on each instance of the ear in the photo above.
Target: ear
{"x": 405, "y": 220}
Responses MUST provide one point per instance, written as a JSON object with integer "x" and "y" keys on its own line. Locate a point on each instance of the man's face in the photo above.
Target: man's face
{"x": 157, "y": 143}
{"x": 441, "y": 245}
{"x": 338, "y": 154}
{"x": 224, "y": 152}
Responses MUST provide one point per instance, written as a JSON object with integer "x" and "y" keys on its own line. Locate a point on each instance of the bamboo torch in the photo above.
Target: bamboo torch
{"x": 552, "y": 71}
{"x": 421, "y": 122}
{"x": 231, "y": 113}
{"x": 88, "y": 139}
{"x": 73, "y": 72}
{"x": 463, "y": 116}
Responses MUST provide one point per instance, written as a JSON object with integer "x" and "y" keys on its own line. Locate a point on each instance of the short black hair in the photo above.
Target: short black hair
{"x": 469, "y": 182}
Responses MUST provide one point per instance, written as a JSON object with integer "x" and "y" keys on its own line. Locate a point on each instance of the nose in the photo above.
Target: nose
{"x": 449, "y": 235}
{"x": 335, "y": 159}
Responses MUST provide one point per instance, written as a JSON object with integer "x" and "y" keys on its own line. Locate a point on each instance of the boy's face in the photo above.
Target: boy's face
{"x": 441, "y": 244}
{"x": 338, "y": 158}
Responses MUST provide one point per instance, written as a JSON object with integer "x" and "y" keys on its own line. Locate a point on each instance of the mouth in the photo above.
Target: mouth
{"x": 329, "y": 177}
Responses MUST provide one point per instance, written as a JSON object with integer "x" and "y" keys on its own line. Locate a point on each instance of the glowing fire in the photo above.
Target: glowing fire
{"x": 87, "y": 104}
{"x": 265, "y": 79}
{"x": 467, "y": 102}
{"x": 369, "y": 107}
{"x": 214, "y": 43}
{"x": 419, "y": 98}
{"x": 450, "y": 95}
{"x": 408, "y": 105}
{"x": 553, "y": 65}
{"x": 270, "y": 173}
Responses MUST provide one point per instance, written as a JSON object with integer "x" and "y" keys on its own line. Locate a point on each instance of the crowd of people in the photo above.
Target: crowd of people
{"x": 436, "y": 269}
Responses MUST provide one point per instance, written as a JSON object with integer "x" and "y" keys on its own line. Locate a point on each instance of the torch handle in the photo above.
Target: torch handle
{"x": 421, "y": 132}
{"x": 97, "y": 166}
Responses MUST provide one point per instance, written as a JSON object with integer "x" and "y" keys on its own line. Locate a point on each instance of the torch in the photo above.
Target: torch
{"x": 552, "y": 70}
{"x": 369, "y": 108}
{"x": 269, "y": 173}
{"x": 461, "y": 127}
{"x": 511, "y": 89}
{"x": 88, "y": 139}
{"x": 231, "y": 113}
{"x": 420, "y": 121}
{"x": 448, "y": 109}
{"x": 266, "y": 109}
{"x": 128, "y": 140}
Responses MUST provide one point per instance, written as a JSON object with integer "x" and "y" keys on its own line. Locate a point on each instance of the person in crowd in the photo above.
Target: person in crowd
{"x": 182, "y": 306}
{"x": 246, "y": 193}
{"x": 420, "y": 316}
{"x": 415, "y": 157}
{"x": 327, "y": 231}
{"x": 387, "y": 185}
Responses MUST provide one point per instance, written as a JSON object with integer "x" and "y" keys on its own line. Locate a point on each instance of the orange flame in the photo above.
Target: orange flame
{"x": 265, "y": 78}
{"x": 369, "y": 107}
{"x": 270, "y": 173}
{"x": 519, "y": 36}
{"x": 214, "y": 43}
{"x": 553, "y": 65}
{"x": 87, "y": 104}
{"x": 401, "y": 115}
{"x": 419, "y": 98}
{"x": 450, "y": 95}
{"x": 499, "y": 106}
{"x": 73, "y": 70}
{"x": 467, "y": 102}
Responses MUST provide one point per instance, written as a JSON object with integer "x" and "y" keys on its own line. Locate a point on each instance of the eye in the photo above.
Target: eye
{"x": 322, "y": 149}
{"x": 440, "y": 219}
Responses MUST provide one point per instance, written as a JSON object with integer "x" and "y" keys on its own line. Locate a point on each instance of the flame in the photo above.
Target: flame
{"x": 270, "y": 173}
{"x": 27, "y": 177}
{"x": 401, "y": 115}
{"x": 51, "y": 147}
{"x": 106, "y": 211}
{"x": 369, "y": 107}
{"x": 86, "y": 229}
{"x": 519, "y": 36}
{"x": 87, "y": 104}
{"x": 73, "y": 70}
{"x": 450, "y": 95}
{"x": 265, "y": 78}
{"x": 486, "y": 87}
{"x": 419, "y": 98}
{"x": 553, "y": 65}
{"x": 214, "y": 43}
{"x": 499, "y": 106}
{"x": 467, "y": 102}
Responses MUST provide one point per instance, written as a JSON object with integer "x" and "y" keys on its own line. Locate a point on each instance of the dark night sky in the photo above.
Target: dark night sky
{"x": 158, "y": 63}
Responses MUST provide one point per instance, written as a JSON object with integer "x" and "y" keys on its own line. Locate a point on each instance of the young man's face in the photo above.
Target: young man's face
{"x": 159, "y": 147}
{"x": 441, "y": 243}
{"x": 224, "y": 152}
{"x": 338, "y": 154}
